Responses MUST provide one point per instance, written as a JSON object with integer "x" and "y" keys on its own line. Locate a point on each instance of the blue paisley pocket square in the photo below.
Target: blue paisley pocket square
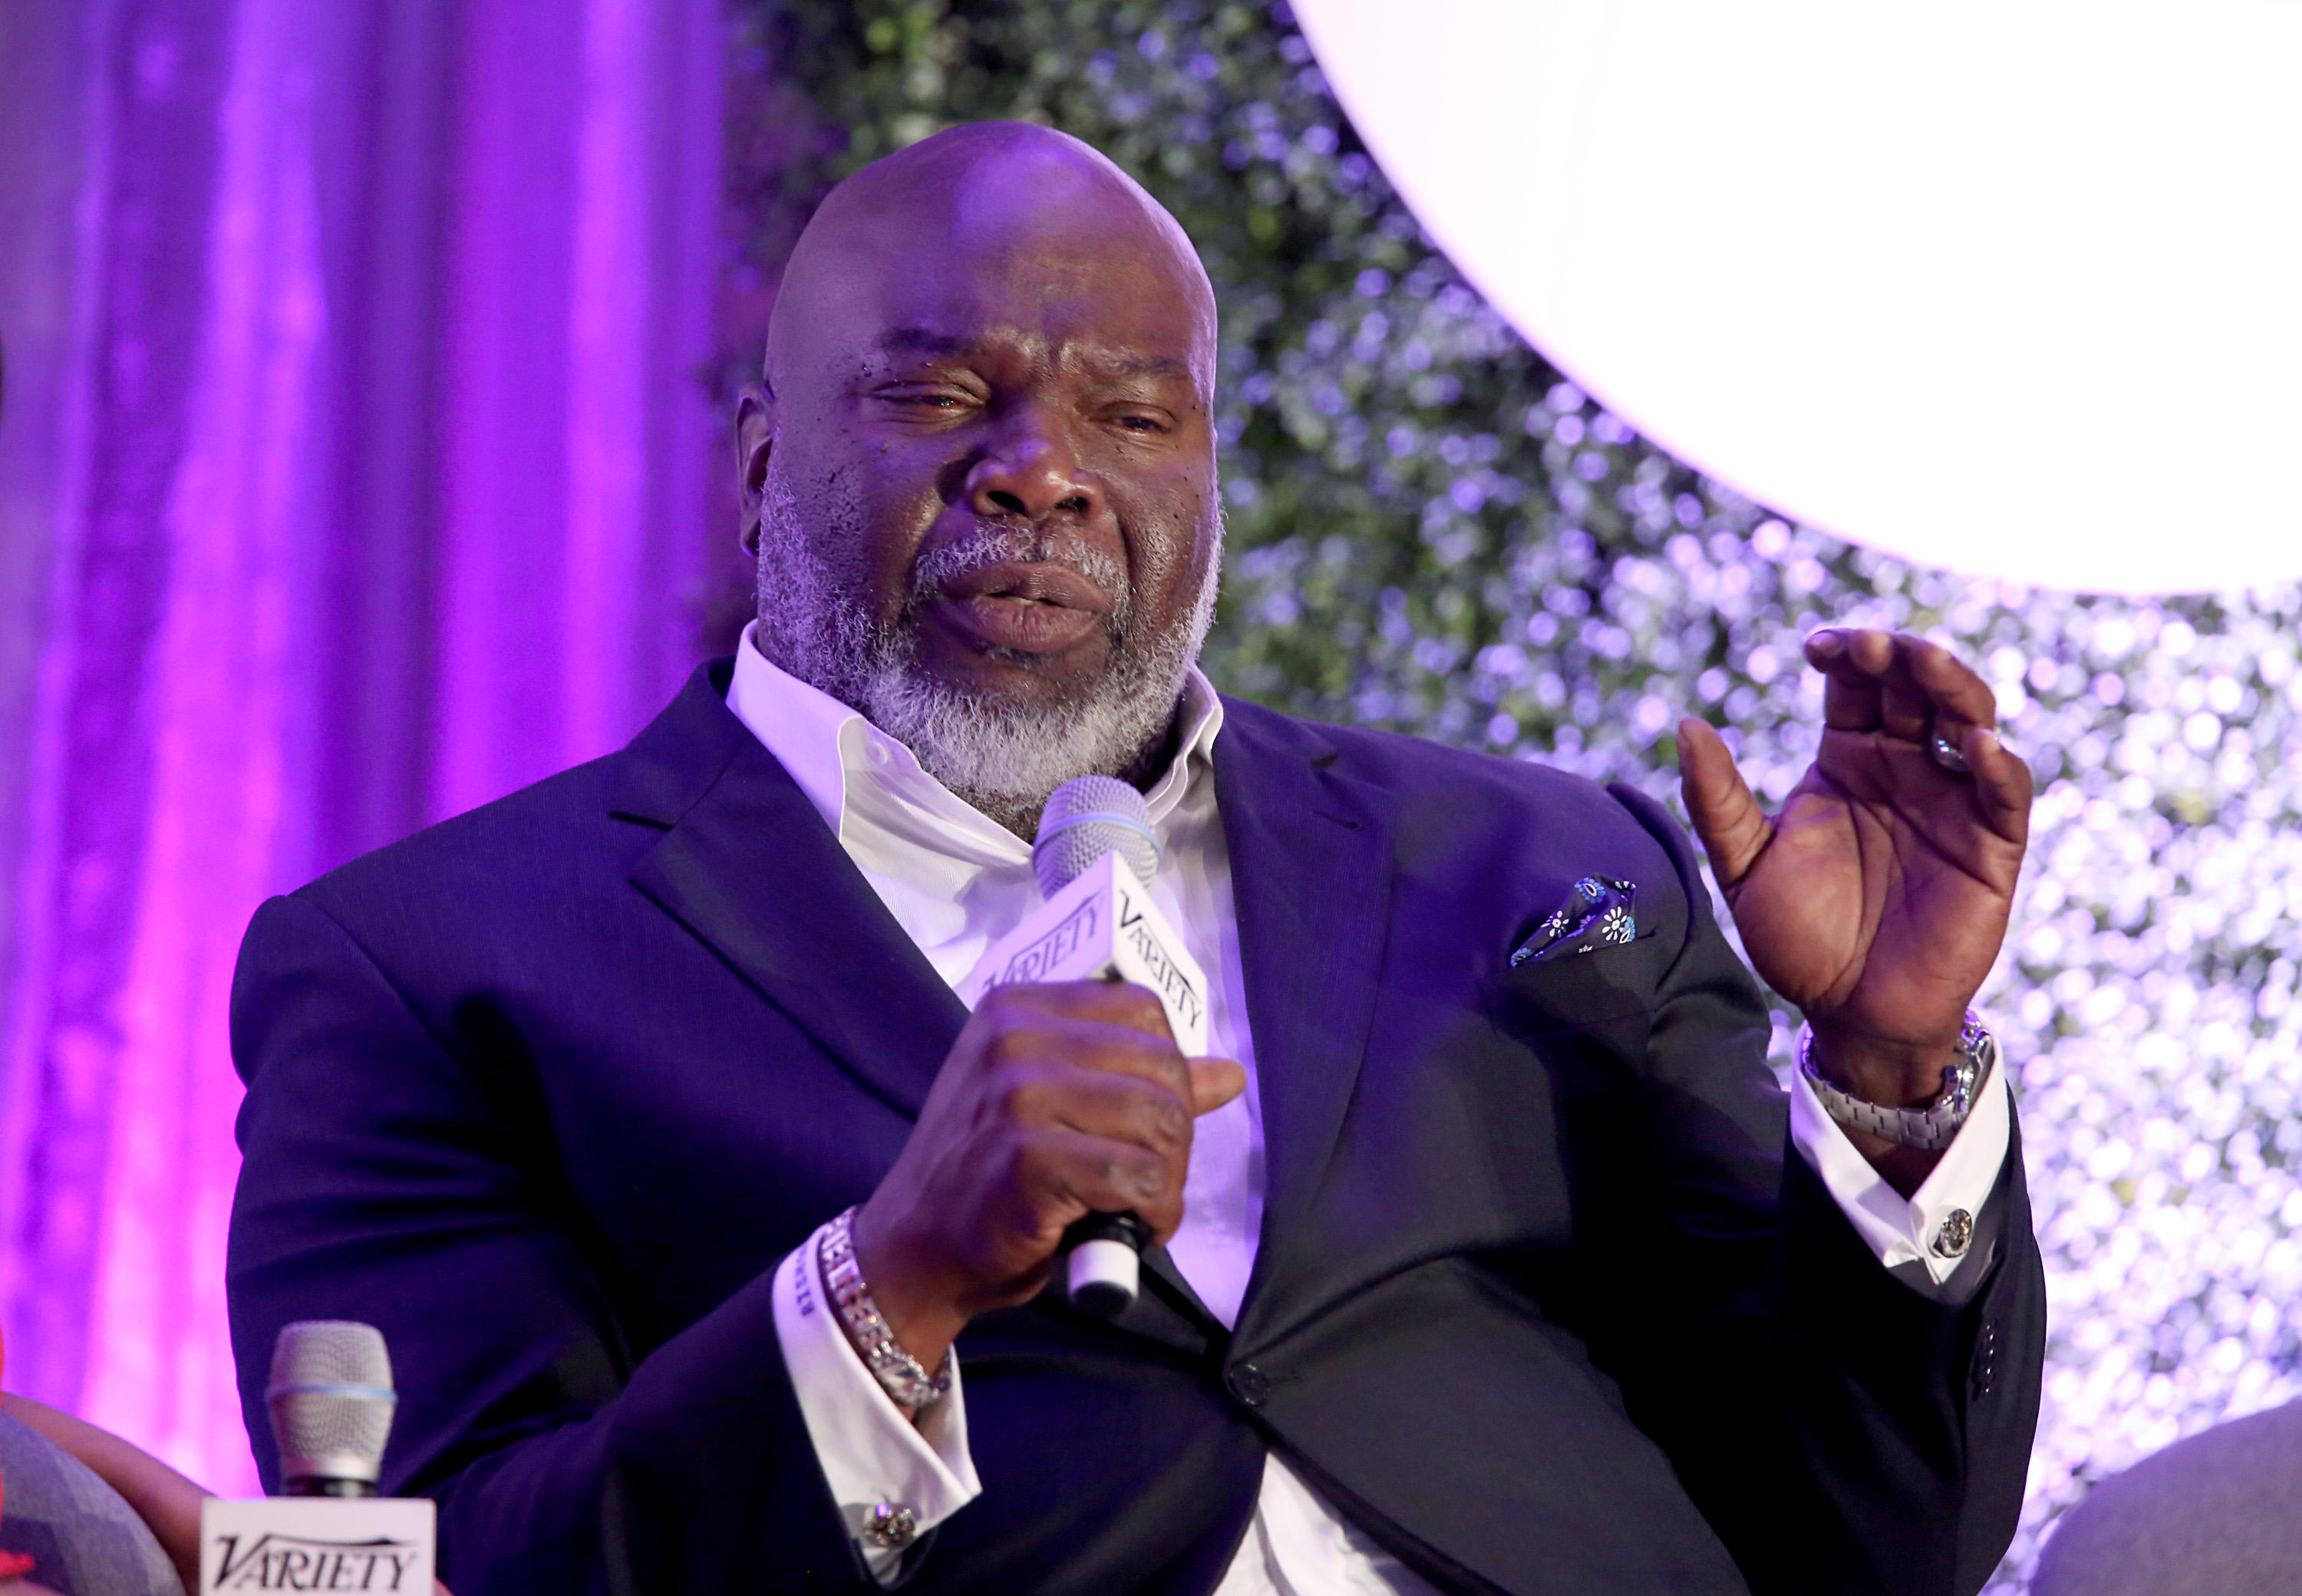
{"x": 1599, "y": 912}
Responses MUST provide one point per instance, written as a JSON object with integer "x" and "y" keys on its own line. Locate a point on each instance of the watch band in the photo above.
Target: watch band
{"x": 902, "y": 1376}
{"x": 1930, "y": 1129}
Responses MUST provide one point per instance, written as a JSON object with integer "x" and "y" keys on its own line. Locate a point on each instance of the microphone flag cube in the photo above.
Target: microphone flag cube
{"x": 1102, "y": 926}
{"x": 317, "y": 1543}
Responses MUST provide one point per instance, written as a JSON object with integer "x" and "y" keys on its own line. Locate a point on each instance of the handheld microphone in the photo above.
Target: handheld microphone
{"x": 1095, "y": 858}
{"x": 331, "y": 1402}
{"x": 332, "y": 1399}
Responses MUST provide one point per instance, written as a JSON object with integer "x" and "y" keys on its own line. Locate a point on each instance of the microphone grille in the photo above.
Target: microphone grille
{"x": 332, "y": 1399}
{"x": 1086, "y": 818}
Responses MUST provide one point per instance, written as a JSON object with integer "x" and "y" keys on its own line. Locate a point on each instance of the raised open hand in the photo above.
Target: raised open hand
{"x": 1877, "y": 900}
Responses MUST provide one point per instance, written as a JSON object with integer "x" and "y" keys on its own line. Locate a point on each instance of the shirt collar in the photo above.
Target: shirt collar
{"x": 853, "y": 773}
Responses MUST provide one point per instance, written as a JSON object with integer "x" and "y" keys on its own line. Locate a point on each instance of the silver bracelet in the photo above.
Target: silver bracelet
{"x": 902, "y": 1376}
{"x": 1931, "y": 1128}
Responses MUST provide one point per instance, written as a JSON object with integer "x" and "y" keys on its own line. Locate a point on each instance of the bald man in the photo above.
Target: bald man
{"x": 715, "y": 1237}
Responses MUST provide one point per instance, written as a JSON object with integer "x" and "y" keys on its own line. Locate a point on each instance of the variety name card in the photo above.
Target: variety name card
{"x": 317, "y": 1543}
{"x": 1102, "y": 926}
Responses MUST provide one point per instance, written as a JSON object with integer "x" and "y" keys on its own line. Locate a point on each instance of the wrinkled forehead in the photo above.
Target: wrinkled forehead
{"x": 1049, "y": 264}
{"x": 1039, "y": 303}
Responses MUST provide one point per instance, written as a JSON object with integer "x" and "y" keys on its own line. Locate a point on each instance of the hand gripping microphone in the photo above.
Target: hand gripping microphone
{"x": 332, "y": 1403}
{"x": 1095, "y": 858}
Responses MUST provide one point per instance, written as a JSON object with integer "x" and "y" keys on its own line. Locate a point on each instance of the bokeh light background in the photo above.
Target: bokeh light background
{"x": 1432, "y": 530}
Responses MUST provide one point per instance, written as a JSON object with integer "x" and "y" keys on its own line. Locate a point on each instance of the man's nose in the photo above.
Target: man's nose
{"x": 1031, "y": 473}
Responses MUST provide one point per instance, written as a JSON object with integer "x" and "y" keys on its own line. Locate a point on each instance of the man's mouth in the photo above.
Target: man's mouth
{"x": 1019, "y": 607}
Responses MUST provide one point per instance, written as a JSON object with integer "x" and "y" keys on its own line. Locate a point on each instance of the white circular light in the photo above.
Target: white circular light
{"x": 2010, "y": 287}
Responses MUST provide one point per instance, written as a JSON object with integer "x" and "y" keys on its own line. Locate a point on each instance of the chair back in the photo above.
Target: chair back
{"x": 83, "y": 1539}
{"x": 2217, "y": 1515}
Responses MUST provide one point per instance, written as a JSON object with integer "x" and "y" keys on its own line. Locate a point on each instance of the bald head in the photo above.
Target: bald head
{"x": 980, "y": 477}
{"x": 1011, "y": 200}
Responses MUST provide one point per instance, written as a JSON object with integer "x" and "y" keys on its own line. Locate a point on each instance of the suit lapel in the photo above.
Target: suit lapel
{"x": 749, "y": 867}
{"x": 1311, "y": 866}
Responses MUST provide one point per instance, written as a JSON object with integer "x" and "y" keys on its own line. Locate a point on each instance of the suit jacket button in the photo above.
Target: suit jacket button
{"x": 1249, "y": 1384}
{"x": 1984, "y": 1373}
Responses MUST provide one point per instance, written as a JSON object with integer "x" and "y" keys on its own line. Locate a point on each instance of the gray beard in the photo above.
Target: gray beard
{"x": 1001, "y": 757}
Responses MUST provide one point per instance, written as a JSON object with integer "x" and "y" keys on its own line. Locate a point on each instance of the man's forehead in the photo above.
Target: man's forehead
{"x": 986, "y": 308}
{"x": 1099, "y": 348}
{"x": 998, "y": 235}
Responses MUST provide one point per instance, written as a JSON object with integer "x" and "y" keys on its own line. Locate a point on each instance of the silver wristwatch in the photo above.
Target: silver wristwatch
{"x": 902, "y": 1376}
{"x": 1931, "y": 1128}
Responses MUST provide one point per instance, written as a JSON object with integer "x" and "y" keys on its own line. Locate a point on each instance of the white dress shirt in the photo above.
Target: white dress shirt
{"x": 957, "y": 881}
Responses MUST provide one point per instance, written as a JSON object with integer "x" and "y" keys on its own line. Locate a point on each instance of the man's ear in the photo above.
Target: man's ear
{"x": 755, "y": 439}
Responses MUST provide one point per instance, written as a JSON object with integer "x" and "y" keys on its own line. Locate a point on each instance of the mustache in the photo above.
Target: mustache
{"x": 991, "y": 544}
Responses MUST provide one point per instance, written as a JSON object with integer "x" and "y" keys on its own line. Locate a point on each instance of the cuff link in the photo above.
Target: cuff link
{"x": 891, "y": 1526}
{"x": 1954, "y": 1235}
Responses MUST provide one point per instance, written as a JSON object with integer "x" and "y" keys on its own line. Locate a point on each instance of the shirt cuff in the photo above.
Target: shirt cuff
{"x": 870, "y": 1454}
{"x": 1899, "y": 1230}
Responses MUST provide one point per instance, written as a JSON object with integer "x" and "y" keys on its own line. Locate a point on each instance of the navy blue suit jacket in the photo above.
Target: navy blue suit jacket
{"x": 546, "y": 1091}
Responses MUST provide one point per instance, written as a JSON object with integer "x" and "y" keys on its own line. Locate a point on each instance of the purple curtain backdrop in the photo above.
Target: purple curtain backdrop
{"x": 353, "y": 472}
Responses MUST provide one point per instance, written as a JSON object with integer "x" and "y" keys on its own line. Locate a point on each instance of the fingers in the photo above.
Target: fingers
{"x": 1953, "y": 689}
{"x": 1851, "y": 664}
{"x": 2001, "y": 785}
{"x": 1038, "y": 1085}
{"x": 1095, "y": 1025}
{"x": 1904, "y": 686}
{"x": 1214, "y": 1081}
{"x": 1057, "y": 1101}
{"x": 1914, "y": 691}
{"x": 1063, "y": 1174}
{"x": 1103, "y": 1006}
{"x": 1734, "y": 830}
{"x": 1111, "y": 1092}
{"x": 1089, "y": 1141}
{"x": 1107, "y": 1002}
{"x": 1097, "y": 1103}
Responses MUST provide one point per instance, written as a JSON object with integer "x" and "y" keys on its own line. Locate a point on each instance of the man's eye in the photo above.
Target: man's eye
{"x": 926, "y": 398}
